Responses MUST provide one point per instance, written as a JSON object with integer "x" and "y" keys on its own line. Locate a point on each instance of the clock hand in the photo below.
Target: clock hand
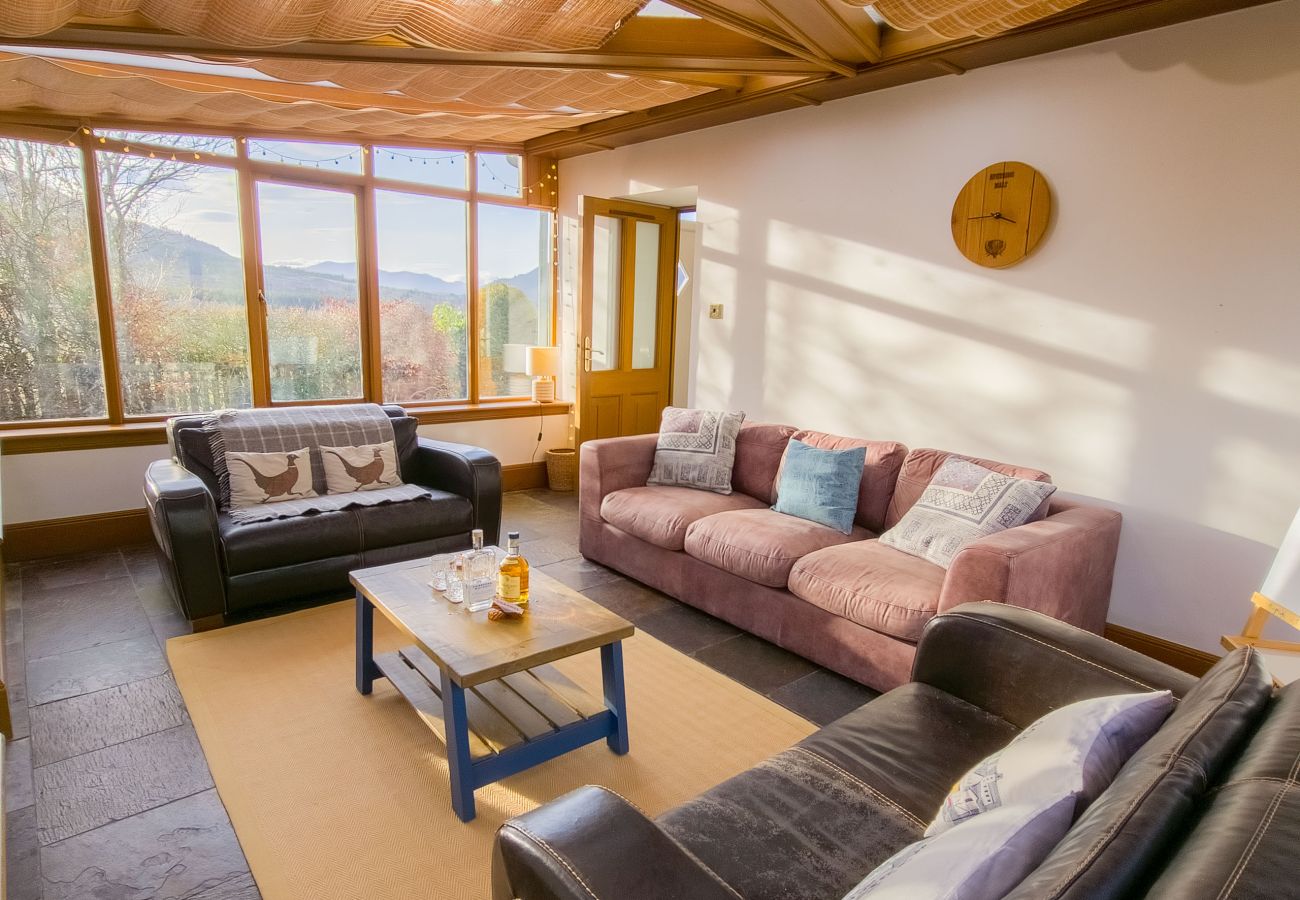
{"x": 996, "y": 215}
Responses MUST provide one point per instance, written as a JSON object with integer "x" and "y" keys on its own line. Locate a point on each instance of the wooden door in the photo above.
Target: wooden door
{"x": 625, "y": 326}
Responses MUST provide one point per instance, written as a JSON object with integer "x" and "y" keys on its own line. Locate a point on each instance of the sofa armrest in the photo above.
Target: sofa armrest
{"x": 471, "y": 472}
{"x": 1062, "y": 565}
{"x": 183, "y": 515}
{"x": 591, "y": 843}
{"x": 1020, "y": 664}
{"x": 613, "y": 464}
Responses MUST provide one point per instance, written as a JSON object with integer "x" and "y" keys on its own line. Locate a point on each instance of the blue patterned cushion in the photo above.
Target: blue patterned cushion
{"x": 964, "y": 502}
{"x": 820, "y": 485}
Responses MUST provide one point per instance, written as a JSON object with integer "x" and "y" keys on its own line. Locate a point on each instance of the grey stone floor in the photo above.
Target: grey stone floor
{"x": 107, "y": 792}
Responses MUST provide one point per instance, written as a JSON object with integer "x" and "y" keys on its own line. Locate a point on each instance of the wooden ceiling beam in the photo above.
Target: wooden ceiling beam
{"x": 716, "y": 12}
{"x": 663, "y": 63}
{"x": 861, "y": 29}
{"x": 908, "y": 62}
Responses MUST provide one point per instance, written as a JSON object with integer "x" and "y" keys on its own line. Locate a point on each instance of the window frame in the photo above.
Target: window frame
{"x": 249, "y": 172}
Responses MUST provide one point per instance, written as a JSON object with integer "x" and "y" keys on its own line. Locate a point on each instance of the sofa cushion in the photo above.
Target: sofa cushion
{"x": 759, "y": 448}
{"x": 871, "y": 584}
{"x": 921, "y": 465}
{"x": 812, "y": 821}
{"x": 879, "y": 472}
{"x": 660, "y": 515}
{"x": 274, "y": 543}
{"x": 820, "y": 485}
{"x": 761, "y": 545}
{"x": 1131, "y": 825}
{"x": 696, "y": 449}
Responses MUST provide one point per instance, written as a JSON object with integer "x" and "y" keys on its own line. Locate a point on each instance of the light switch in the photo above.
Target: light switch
{"x": 715, "y": 310}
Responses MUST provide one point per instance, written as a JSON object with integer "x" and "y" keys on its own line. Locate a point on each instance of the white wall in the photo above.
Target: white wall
{"x": 39, "y": 486}
{"x": 1145, "y": 356}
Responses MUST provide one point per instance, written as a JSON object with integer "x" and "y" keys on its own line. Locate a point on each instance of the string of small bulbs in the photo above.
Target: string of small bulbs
{"x": 539, "y": 188}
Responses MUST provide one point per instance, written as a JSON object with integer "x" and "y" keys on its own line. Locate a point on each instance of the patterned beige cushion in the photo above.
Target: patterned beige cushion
{"x": 365, "y": 468}
{"x": 696, "y": 449}
{"x": 964, "y": 502}
{"x": 257, "y": 478}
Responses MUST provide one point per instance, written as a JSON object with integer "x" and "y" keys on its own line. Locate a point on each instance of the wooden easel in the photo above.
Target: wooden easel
{"x": 1282, "y": 657}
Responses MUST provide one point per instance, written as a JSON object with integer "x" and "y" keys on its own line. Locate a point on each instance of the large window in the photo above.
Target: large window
{"x": 223, "y": 271}
{"x": 50, "y": 363}
{"x": 176, "y": 273}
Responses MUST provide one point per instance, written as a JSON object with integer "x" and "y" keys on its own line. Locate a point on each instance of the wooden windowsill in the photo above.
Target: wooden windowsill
{"x": 48, "y": 439}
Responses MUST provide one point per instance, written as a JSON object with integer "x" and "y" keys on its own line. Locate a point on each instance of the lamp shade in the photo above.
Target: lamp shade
{"x": 1282, "y": 583}
{"x": 543, "y": 361}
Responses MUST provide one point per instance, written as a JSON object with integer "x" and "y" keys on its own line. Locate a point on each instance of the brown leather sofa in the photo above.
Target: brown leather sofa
{"x": 216, "y": 567}
{"x": 1207, "y": 808}
{"x": 847, "y": 602}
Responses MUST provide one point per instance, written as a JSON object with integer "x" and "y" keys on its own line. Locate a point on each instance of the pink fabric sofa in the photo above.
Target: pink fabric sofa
{"x": 846, "y": 602}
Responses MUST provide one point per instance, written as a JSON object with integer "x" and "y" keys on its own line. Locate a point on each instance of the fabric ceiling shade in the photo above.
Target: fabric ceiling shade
{"x": 447, "y": 24}
{"x": 964, "y": 18}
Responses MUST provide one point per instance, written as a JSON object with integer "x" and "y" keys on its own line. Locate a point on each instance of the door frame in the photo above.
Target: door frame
{"x": 665, "y": 314}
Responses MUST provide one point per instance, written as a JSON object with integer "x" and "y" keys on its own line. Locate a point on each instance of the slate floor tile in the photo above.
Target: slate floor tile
{"x": 53, "y": 678}
{"x": 22, "y": 855}
{"x": 685, "y": 628}
{"x": 629, "y": 599}
{"x": 87, "y": 791}
{"x": 547, "y": 551}
{"x": 155, "y": 598}
{"x": 142, "y": 564}
{"x": 63, "y": 571}
{"x": 756, "y": 663}
{"x": 579, "y": 573}
{"x": 18, "y": 775}
{"x": 823, "y": 696}
{"x": 182, "y": 849}
{"x": 169, "y": 626}
{"x": 78, "y": 725}
{"x": 75, "y": 617}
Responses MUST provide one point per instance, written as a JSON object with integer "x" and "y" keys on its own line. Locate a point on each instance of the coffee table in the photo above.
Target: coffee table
{"x": 485, "y": 688}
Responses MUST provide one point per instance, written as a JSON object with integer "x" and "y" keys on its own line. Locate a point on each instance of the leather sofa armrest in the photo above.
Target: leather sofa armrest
{"x": 1020, "y": 665}
{"x": 1062, "y": 565}
{"x": 613, "y": 464}
{"x": 183, "y": 515}
{"x": 590, "y": 844}
{"x": 471, "y": 472}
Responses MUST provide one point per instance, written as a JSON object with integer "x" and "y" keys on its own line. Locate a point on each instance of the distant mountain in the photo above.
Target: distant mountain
{"x": 183, "y": 267}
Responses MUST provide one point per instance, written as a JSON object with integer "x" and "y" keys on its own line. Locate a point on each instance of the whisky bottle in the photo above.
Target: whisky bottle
{"x": 480, "y": 566}
{"x": 512, "y": 576}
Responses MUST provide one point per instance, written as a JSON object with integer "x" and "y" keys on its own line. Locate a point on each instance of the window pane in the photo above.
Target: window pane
{"x": 422, "y": 296}
{"x": 514, "y": 260}
{"x": 313, "y": 308}
{"x": 176, "y": 272}
{"x": 645, "y": 295}
{"x": 50, "y": 365}
{"x": 219, "y": 146}
{"x": 498, "y": 173}
{"x": 439, "y": 168}
{"x": 338, "y": 157}
{"x": 606, "y": 270}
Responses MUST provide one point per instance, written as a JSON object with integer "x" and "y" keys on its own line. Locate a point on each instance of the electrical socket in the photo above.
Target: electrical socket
{"x": 715, "y": 310}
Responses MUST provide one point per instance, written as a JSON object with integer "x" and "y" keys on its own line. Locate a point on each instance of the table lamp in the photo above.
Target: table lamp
{"x": 1279, "y": 597}
{"x": 543, "y": 365}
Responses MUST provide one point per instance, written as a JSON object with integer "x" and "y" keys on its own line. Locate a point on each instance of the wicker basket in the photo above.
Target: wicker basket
{"x": 562, "y": 469}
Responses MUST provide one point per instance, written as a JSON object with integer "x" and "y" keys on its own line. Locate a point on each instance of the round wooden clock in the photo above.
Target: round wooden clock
{"x": 1001, "y": 214}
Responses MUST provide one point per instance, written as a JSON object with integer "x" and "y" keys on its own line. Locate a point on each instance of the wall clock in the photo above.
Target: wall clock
{"x": 1001, "y": 214}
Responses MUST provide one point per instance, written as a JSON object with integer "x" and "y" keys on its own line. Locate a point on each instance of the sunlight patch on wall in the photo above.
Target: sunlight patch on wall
{"x": 977, "y": 300}
{"x": 1253, "y": 379}
{"x": 1234, "y": 498}
{"x": 716, "y": 366}
{"x": 721, "y": 226}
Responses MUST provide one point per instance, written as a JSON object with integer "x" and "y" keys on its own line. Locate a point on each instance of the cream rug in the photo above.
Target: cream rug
{"x": 335, "y": 795}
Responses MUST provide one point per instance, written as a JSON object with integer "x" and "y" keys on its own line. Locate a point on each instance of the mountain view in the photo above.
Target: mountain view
{"x": 183, "y": 263}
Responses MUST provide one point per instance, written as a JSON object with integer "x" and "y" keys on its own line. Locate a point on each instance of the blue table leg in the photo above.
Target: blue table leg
{"x": 458, "y": 759}
{"x": 367, "y": 671}
{"x": 611, "y": 674}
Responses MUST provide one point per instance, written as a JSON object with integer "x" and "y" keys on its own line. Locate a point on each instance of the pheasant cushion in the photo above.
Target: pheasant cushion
{"x": 257, "y": 478}
{"x": 365, "y": 468}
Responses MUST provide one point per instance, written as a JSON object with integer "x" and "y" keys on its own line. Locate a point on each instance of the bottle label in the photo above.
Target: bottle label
{"x": 508, "y": 587}
{"x": 479, "y": 591}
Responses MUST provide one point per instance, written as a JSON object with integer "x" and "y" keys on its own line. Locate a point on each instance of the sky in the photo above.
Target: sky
{"x": 416, "y": 233}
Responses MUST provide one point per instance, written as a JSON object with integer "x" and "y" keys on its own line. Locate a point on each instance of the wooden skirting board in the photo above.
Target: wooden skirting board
{"x": 523, "y": 477}
{"x": 1189, "y": 659}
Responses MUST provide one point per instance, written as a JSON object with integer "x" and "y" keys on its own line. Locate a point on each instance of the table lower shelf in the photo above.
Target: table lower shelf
{"x": 514, "y": 710}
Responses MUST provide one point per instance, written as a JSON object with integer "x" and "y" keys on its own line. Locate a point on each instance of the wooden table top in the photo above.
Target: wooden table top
{"x": 560, "y": 622}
